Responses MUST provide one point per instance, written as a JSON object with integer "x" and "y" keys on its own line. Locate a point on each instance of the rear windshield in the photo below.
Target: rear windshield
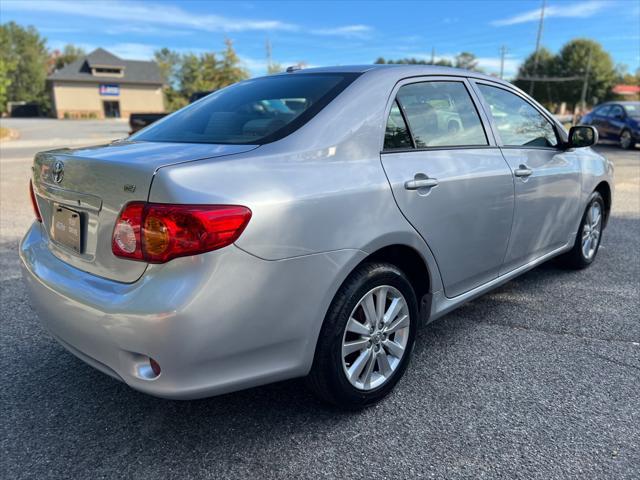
{"x": 253, "y": 112}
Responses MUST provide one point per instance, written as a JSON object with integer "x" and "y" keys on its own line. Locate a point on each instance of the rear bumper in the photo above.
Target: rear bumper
{"x": 215, "y": 323}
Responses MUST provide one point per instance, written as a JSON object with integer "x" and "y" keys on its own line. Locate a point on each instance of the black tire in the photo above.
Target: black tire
{"x": 328, "y": 379}
{"x": 575, "y": 258}
{"x": 626, "y": 140}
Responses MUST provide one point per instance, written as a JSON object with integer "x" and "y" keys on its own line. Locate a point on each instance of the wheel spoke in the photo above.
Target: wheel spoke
{"x": 392, "y": 312}
{"x": 368, "y": 372}
{"x": 400, "y": 323}
{"x": 350, "y": 347}
{"x": 393, "y": 348}
{"x": 356, "y": 327}
{"x": 369, "y": 310}
{"x": 381, "y": 302}
{"x": 358, "y": 365}
{"x": 383, "y": 363}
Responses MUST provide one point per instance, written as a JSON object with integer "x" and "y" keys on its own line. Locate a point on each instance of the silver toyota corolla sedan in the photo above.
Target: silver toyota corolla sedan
{"x": 304, "y": 224}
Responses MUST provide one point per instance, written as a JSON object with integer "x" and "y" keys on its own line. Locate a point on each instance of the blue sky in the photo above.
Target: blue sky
{"x": 333, "y": 32}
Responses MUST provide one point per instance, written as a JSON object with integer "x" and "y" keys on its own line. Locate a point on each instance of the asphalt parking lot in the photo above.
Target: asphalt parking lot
{"x": 539, "y": 379}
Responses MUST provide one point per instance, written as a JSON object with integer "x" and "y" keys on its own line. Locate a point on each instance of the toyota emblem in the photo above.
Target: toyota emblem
{"x": 58, "y": 171}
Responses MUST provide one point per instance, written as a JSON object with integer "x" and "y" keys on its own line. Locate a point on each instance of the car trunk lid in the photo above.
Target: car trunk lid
{"x": 93, "y": 184}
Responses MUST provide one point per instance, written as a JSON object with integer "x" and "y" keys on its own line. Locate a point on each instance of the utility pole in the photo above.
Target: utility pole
{"x": 433, "y": 55}
{"x": 535, "y": 58}
{"x": 269, "y": 61}
{"x": 503, "y": 50}
{"x": 585, "y": 84}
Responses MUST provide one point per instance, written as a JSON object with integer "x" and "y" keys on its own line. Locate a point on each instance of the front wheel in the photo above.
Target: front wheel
{"x": 587, "y": 242}
{"x": 367, "y": 337}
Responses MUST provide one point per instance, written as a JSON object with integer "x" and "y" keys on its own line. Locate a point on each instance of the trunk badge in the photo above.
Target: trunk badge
{"x": 58, "y": 171}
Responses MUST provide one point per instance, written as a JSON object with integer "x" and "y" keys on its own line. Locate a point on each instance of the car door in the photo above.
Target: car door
{"x": 449, "y": 178}
{"x": 615, "y": 122}
{"x": 546, "y": 177}
{"x": 600, "y": 120}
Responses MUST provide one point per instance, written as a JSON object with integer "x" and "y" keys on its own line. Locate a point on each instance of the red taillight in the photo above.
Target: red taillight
{"x": 159, "y": 232}
{"x": 34, "y": 202}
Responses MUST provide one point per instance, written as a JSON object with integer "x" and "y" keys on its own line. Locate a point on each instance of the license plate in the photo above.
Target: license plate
{"x": 66, "y": 228}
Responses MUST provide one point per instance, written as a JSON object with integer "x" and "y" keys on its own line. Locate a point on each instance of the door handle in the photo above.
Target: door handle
{"x": 522, "y": 171}
{"x": 420, "y": 183}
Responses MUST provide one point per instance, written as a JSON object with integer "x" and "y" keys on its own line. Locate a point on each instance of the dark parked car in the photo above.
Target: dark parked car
{"x": 619, "y": 121}
{"x": 137, "y": 121}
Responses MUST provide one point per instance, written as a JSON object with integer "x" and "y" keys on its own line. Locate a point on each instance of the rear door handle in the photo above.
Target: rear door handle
{"x": 522, "y": 171}
{"x": 420, "y": 183}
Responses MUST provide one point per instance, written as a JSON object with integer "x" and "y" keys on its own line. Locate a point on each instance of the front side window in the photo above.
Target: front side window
{"x": 396, "y": 134}
{"x": 253, "y": 112}
{"x": 519, "y": 124}
{"x": 441, "y": 114}
{"x": 616, "y": 112}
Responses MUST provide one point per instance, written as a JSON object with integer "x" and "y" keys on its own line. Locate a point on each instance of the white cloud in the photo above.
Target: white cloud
{"x": 360, "y": 31}
{"x": 161, "y": 13}
{"x": 133, "y": 51}
{"x": 145, "y": 30}
{"x": 566, "y": 10}
{"x": 492, "y": 65}
{"x": 166, "y": 15}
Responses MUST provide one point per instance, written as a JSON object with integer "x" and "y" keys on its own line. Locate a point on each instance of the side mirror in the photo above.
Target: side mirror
{"x": 582, "y": 136}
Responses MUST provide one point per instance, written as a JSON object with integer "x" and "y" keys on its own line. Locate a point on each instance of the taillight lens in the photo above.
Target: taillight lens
{"x": 34, "y": 202}
{"x": 159, "y": 232}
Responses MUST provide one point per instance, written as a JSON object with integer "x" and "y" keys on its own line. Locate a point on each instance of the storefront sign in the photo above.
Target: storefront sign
{"x": 110, "y": 90}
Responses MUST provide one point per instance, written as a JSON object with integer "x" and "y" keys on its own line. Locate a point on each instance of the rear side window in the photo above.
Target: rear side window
{"x": 517, "y": 121}
{"x": 441, "y": 114}
{"x": 603, "y": 111}
{"x": 396, "y": 134}
{"x": 253, "y": 112}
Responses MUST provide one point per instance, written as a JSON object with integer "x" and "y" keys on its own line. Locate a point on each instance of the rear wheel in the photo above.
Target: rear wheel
{"x": 626, "y": 140}
{"x": 367, "y": 338}
{"x": 587, "y": 242}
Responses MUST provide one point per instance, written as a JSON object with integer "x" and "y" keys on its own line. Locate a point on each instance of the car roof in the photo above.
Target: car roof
{"x": 621, "y": 102}
{"x": 401, "y": 70}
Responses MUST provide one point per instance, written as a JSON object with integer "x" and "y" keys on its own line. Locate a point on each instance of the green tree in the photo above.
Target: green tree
{"x": 443, "y": 62}
{"x": 70, "y": 53}
{"x": 24, "y": 57}
{"x": 544, "y": 91}
{"x": 274, "y": 67}
{"x": 169, "y": 62}
{"x": 467, "y": 61}
{"x": 5, "y": 81}
{"x": 230, "y": 70}
{"x": 207, "y": 72}
{"x": 573, "y": 60}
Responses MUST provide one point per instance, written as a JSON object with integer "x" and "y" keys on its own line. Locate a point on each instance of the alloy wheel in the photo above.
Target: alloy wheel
{"x": 375, "y": 338}
{"x": 591, "y": 230}
{"x": 625, "y": 139}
